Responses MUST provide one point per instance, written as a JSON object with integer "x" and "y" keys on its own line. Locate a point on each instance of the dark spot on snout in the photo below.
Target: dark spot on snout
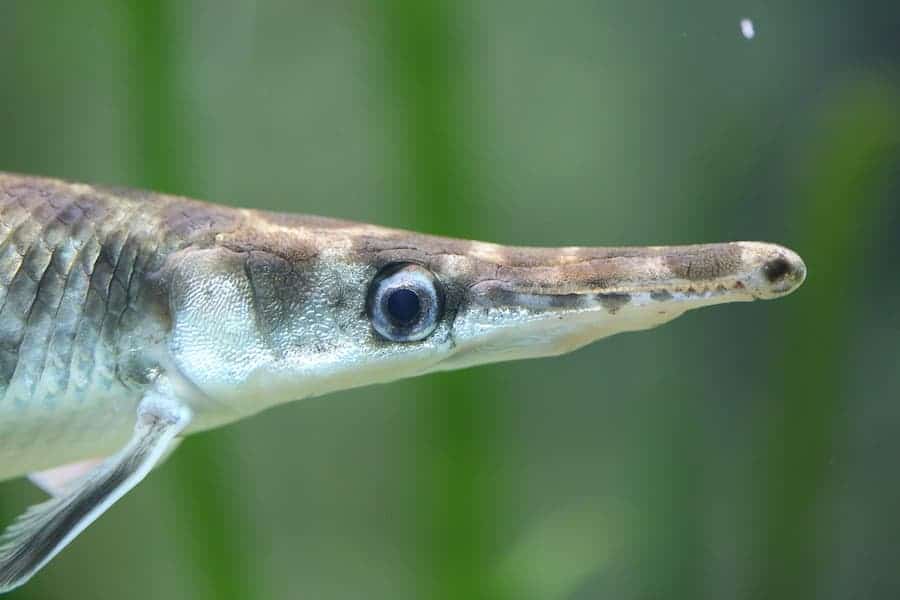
{"x": 776, "y": 269}
{"x": 661, "y": 295}
{"x": 613, "y": 302}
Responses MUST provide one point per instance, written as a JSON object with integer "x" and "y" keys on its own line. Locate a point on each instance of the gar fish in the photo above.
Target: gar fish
{"x": 130, "y": 319}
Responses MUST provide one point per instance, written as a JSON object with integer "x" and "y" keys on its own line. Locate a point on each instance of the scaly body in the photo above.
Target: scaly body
{"x": 129, "y": 319}
{"x": 79, "y": 319}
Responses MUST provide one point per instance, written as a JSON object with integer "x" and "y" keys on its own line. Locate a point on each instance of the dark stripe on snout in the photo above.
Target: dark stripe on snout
{"x": 498, "y": 296}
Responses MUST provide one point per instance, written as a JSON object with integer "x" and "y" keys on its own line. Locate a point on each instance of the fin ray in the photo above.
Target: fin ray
{"x": 45, "y": 529}
{"x": 58, "y": 480}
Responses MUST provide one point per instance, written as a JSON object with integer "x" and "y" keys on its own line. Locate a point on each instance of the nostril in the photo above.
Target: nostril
{"x": 776, "y": 269}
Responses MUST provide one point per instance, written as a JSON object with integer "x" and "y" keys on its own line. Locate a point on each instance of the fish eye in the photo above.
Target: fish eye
{"x": 405, "y": 302}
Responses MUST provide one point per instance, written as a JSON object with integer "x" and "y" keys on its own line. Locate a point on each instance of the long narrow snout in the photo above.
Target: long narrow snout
{"x": 541, "y": 302}
{"x": 729, "y": 272}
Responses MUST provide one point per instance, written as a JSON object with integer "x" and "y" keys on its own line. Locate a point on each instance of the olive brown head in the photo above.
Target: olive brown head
{"x": 365, "y": 304}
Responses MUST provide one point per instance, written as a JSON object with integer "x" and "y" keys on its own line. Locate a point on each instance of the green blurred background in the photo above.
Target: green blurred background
{"x": 747, "y": 451}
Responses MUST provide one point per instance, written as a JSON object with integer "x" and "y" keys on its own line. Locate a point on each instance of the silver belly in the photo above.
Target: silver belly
{"x": 51, "y": 427}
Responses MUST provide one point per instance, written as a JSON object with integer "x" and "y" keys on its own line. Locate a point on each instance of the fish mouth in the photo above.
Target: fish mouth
{"x": 555, "y": 301}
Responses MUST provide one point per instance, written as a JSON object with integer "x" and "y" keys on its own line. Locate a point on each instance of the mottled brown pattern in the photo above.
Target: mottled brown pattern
{"x": 687, "y": 259}
{"x": 550, "y": 270}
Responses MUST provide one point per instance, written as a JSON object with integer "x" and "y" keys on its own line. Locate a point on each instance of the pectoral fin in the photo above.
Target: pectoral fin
{"x": 45, "y": 529}
{"x": 58, "y": 480}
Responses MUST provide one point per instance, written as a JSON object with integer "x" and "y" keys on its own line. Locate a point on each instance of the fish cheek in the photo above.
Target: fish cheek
{"x": 215, "y": 339}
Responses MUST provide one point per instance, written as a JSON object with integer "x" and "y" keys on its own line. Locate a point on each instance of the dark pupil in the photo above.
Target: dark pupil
{"x": 403, "y": 305}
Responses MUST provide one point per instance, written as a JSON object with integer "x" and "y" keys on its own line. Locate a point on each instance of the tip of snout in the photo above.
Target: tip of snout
{"x": 775, "y": 271}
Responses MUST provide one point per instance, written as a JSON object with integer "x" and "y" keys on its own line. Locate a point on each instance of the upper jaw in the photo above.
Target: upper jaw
{"x": 560, "y": 304}
{"x": 736, "y": 271}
